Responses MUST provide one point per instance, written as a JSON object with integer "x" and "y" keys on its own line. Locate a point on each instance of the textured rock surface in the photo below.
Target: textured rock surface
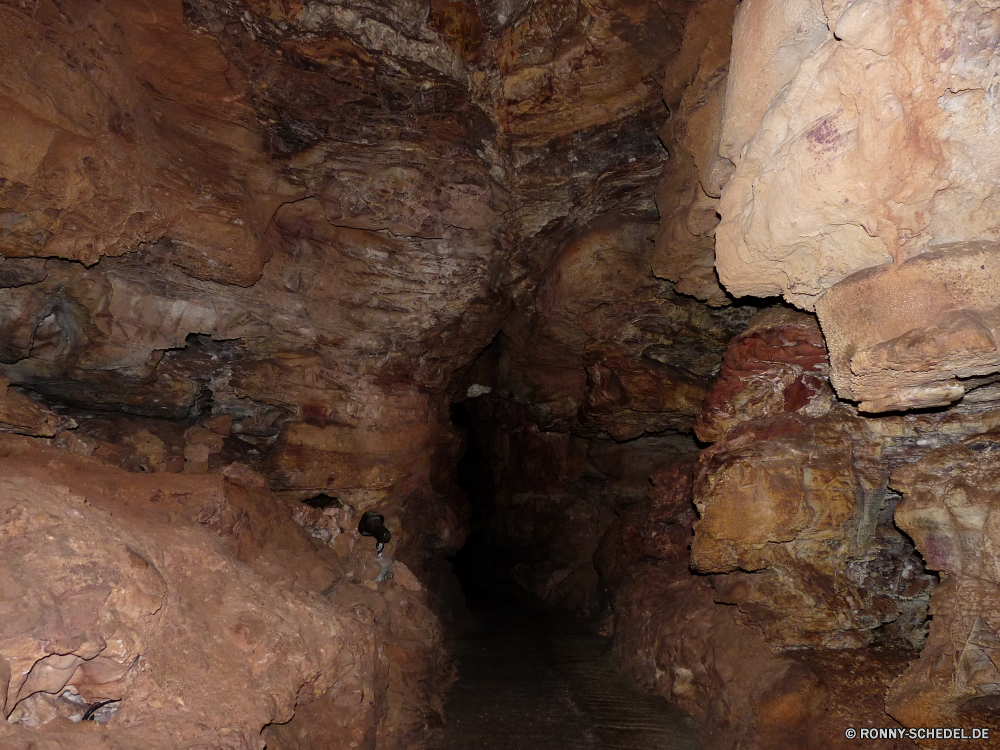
{"x": 777, "y": 365}
{"x": 675, "y": 638}
{"x": 687, "y": 195}
{"x": 606, "y": 347}
{"x": 919, "y": 334}
{"x": 791, "y": 517}
{"x": 798, "y": 507}
{"x": 199, "y": 607}
{"x": 859, "y": 136}
{"x": 266, "y": 241}
{"x": 862, "y": 130}
{"x": 949, "y": 509}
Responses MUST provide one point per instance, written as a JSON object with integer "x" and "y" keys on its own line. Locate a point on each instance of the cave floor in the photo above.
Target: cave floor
{"x": 531, "y": 681}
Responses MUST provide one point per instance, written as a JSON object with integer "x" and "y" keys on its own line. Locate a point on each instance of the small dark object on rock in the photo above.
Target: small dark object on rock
{"x": 323, "y": 501}
{"x": 373, "y": 524}
{"x": 89, "y": 715}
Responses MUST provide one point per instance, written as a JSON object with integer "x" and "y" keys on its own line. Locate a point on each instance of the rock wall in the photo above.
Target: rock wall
{"x": 863, "y": 187}
{"x": 251, "y": 255}
{"x": 185, "y": 600}
{"x": 266, "y": 241}
{"x": 813, "y": 569}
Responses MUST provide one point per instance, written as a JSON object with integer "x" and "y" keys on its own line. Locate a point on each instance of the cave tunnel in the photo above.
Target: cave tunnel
{"x": 499, "y": 374}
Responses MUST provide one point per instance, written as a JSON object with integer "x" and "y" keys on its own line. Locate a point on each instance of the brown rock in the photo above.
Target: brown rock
{"x": 796, "y": 504}
{"x": 221, "y": 425}
{"x": 778, "y": 365}
{"x": 676, "y": 639}
{"x": 125, "y": 586}
{"x": 23, "y": 415}
{"x": 860, "y": 140}
{"x": 689, "y": 188}
{"x": 906, "y": 336}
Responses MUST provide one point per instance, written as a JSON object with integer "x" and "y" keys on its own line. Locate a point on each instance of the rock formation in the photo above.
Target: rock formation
{"x": 259, "y": 245}
{"x": 477, "y": 264}
{"x": 862, "y": 186}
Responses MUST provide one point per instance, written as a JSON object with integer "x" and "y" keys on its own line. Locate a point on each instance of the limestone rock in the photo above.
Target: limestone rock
{"x": 608, "y": 347}
{"x": 777, "y": 365}
{"x": 185, "y": 599}
{"x": 797, "y": 504}
{"x": 866, "y": 144}
{"x": 21, "y": 414}
{"x": 687, "y": 195}
{"x": 673, "y": 635}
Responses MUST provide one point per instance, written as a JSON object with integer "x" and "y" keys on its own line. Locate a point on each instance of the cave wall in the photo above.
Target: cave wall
{"x": 256, "y": 248}
{"x": 824, "y": 561}
{"x": 253, "y": 252}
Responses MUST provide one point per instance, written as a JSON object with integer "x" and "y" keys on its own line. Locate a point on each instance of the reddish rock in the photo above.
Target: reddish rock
{"x": 677, "y": 639}
{"x": 777, "y": 365}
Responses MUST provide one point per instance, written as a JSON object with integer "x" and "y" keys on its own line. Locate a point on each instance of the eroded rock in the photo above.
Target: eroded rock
{"x": 949, "y": 509}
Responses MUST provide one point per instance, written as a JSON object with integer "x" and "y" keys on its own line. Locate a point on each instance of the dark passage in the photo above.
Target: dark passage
{"x": 535, "y": 681}
{"x": 531, "y": 678}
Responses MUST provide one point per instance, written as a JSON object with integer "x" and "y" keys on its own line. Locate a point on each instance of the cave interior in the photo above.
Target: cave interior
{"x": 333, "y": 330}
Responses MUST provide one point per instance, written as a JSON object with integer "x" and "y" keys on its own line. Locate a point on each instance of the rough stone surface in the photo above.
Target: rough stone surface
{"x": 777, "y": 365}
{"x": 687, "y": 195}
{"x": 949, "y": 509}
{"x": 918, "y": 334}
{"x": 263, "y": 243}
{"x": 675, "y": 637}
{"x": 860, "y": 136}
{"x": 793, "y": 510}
{"x": 199, "y": 607}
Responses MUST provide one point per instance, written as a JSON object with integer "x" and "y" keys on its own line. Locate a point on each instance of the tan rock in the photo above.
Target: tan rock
{"x": 913, "y": 335}
{"x": 21, "y": 414}
{"x": 874, "y": 150}
{"x": 951, "y": 511}
{"x": 187, "y": 598}
{"x": 689, "y": 188}
{"x": 797, "y": 504}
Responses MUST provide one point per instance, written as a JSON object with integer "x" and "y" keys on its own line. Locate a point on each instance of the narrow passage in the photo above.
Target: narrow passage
{"x": 532, "y": 681}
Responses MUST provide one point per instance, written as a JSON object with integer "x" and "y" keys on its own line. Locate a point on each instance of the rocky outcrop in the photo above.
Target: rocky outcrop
{"x": 200, "y": 610}
{"x": 672, "y": 634}
{"x": 777, "y": 365}
{"x": 687, "y": 196}
{"x": 919, "y": 334}
{"x": 780, "y": 588}
{"x": 823, "y": 106}
{"x": 609, "y": 348}
{"x": 793, "y": 511}
{"x": 586, "y": 391}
